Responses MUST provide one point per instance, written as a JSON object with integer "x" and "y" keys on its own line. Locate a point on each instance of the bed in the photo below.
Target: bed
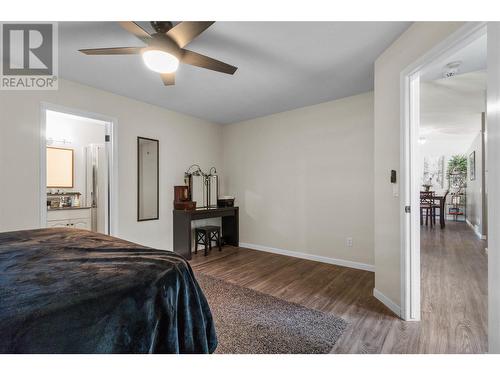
{"x": 74, "y": 291}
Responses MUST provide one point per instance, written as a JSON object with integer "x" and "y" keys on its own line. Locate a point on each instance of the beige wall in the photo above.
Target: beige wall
{"x": 303, "y": 179}
{"x": 411, "y": 45}
{"x": 183, "y": 140}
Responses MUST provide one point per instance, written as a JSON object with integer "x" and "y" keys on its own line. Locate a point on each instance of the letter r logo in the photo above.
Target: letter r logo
{"x": 27, "y": 49}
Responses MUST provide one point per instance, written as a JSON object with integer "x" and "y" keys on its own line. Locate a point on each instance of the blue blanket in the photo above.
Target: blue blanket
{"x": 73, "y": 291}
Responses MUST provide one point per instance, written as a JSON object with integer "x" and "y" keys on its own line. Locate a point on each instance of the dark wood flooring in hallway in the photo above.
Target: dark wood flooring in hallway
{"x": 454, "y": 293}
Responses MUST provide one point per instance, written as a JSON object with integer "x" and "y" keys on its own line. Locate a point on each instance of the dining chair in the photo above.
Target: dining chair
{"x": 441, "y": 207}
{"x": 426, "y": 204}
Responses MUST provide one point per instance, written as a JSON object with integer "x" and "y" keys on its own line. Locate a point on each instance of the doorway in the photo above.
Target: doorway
{"x": 411, "y": 163}
{"x": 412, "y": 172}
{"x": 453, "y": 259}
{"x": 78, "y": 170}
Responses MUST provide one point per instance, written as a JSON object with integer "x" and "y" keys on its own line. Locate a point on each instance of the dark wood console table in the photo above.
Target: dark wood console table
{"x": 182, "y": 226}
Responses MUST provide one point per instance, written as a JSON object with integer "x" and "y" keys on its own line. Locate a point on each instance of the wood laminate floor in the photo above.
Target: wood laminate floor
{"x": 453, "y": 286}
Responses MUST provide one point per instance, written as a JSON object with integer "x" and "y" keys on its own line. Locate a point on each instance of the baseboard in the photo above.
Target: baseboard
{"x": 317, "y": 258}
{"x": 391, "y": 305}
{"x": 478, "y": 234}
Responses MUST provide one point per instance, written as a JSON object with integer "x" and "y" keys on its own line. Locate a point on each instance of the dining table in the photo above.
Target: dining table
{"x": 437, "y": 201}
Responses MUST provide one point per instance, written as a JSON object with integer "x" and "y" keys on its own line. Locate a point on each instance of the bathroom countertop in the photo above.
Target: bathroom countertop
{"x": 68, "y": 208}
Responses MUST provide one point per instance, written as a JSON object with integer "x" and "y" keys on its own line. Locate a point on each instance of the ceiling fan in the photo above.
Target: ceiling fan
{"x": 164, "y": 49}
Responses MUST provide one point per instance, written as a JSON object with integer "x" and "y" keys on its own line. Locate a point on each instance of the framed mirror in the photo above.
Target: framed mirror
{"x": 148, "y": 170}
{"x": 60, "y": 171}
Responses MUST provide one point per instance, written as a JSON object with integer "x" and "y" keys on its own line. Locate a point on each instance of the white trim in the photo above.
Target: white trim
{"x": 493, "y": 186}
{"x": 42, "y": 189}
{"x": 475, "y": 229}
{"x": 409, "y": 224}
{"x": 394, "y": 307}
{"x": 316, "y": 258}
{"x": 111, "y": 129}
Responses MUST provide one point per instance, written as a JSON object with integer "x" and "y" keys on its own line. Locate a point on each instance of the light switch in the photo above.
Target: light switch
{"x": 395, "y": 190}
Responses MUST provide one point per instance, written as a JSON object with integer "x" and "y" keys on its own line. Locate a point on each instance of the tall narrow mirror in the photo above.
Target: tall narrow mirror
{"x": 147, "y": 179}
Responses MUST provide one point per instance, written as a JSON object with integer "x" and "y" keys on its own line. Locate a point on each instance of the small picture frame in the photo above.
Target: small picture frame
{"x": 472, "y": 165}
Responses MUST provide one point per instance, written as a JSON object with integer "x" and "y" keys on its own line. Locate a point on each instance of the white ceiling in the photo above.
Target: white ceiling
{"x": 450, "y": 108}
{"x": 282, "y": 65}
{"x": 473, "y": 57}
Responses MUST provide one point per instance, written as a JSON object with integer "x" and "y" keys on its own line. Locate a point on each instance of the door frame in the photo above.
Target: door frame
{"x": 493, "y": 185}
{"x": 409, "y": 166}
{"x": 111, "y": 129}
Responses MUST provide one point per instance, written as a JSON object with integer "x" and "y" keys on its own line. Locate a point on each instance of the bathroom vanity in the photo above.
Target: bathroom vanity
{"x": 72, "y": 217}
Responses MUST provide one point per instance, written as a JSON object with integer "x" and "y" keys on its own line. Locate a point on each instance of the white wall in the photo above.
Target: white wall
{"x": 412, "y": 44}
{"x": 303, "y": 179}
{"x": 183, "y": 140}
{"x": 443, "y": 146}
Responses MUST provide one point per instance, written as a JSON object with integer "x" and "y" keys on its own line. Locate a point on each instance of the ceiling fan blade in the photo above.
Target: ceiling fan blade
{"x": 186, "y": 31}
{"x": 202, "y": 61}
{"x": 112, "y": 51}
{"x": 168, "y": 79}
{"x": 135, "y": 29}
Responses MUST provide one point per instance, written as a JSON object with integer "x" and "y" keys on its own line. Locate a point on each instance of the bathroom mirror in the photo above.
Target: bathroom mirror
{"x": 147, "y": 179}
{"x": 60, "y": 167}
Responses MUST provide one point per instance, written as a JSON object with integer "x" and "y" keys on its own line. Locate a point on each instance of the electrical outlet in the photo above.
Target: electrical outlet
{"x": 348, "y": 241}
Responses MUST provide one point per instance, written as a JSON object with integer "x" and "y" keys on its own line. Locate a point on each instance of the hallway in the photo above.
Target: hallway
{"x": 454, "y": 268}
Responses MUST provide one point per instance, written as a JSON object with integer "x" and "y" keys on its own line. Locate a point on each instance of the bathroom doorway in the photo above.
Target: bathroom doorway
{"x": 77, "y": 170}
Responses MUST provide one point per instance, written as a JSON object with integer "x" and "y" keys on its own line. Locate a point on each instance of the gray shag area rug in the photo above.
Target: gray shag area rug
{"x": 249, "y": 322}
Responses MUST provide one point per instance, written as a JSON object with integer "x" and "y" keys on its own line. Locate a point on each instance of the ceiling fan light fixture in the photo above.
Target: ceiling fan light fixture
{"x": 160, "y": 61}
{"x": 164, "y": 49}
